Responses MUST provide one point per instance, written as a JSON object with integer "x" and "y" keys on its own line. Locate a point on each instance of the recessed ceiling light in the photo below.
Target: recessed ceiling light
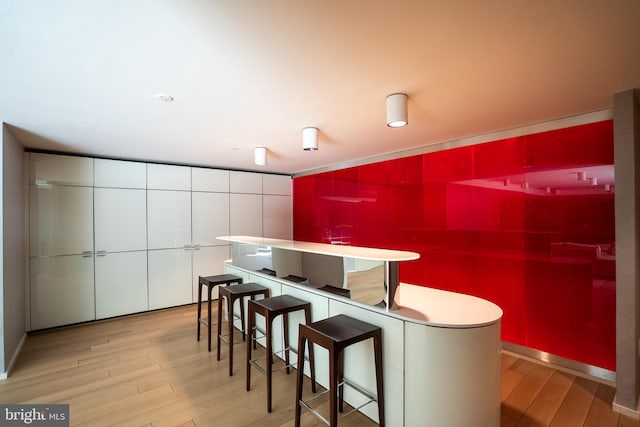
{"x": 164, "y": 97}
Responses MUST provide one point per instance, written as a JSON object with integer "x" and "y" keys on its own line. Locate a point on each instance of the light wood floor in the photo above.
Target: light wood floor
{"x": 149, "y": 370}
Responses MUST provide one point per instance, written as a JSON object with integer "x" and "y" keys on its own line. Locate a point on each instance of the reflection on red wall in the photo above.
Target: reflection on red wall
{"x": 526, "y": 222}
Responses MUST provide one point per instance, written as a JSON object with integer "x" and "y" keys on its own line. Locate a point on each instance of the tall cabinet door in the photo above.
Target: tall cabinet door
{"x": 210, "y": 218}
{"x": 277, "y": 216}
{"x": 121, "y": 283}
{"x": 60, "y": 220}
{"x": 245, "y": 212}
{"x": 169, "y": 278}
{"x": 168, "y": 219}
{"x": 277, "y": 206}
{"x": 61, "y": 287}
{"x": 169, "y": 231}
{"x": 61, "y": 291}
{"x": 121, "y": 257}
{"x": 120, "y": 219}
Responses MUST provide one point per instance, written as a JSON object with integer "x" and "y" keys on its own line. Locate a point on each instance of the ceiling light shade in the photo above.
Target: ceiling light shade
{"x": 582, "y": 176}
{"x": 260, "y": 156}
{"x": 397, "y": 110}
{"x": 593, "y": 180}
{"x": 310, "y": 139}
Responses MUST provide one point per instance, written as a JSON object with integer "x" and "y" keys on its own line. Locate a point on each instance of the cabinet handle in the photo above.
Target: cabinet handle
{"x": 101, "y": 252}
{"x": 188, "y": 247}
{"x": 89, "y": 255}
{"x": 101, "y": 255}
{"x": 87, "y": 252}
{"x": 196, "y": 247}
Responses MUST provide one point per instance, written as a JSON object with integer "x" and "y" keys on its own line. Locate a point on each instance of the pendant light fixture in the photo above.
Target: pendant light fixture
{"x": 260, "y": 156}
{"x": 310, "y": 139}
{"x": 397, "y": 110}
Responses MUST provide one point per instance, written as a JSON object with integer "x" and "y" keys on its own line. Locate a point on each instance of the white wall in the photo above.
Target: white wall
{"x": 12, "y": 249}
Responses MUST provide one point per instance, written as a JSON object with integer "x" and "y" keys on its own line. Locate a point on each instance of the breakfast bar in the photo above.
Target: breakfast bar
{"x": 441, "y": 350}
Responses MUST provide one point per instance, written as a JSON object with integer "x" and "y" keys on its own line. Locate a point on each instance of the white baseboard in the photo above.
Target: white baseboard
{"x": 14, "y": 358}
{"x": 631, "y": 413}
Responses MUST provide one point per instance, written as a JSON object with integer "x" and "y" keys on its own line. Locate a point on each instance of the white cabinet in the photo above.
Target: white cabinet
{"x": 210, "y": 218}
{"x": 168, "y": 219}
{"x": 212, "y": 180}
{"x": 245, "y": 212}
{"x": 169, "y": 229}
{"x": 120, "y": 219}
{"x": 113, "y": 237}
{"x": 61, "y": 291}
{"x": 61, "y": 170}
{"x": 121, "y": 256}
{"x": 277, "y": 216}
{"x": 277, "y": 184}
{"x": 121, "y": 283}
{"x": 168, "y": 177}
{"x": 60, "y": 241}
{"x": 169, "y": 278}
{"x": 119, "y": 174}
{"x": 245, "y": 182}
{"x": 60, "y": 220}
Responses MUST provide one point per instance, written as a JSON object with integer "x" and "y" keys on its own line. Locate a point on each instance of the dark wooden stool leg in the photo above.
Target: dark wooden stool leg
{"x": 377, "y": 348}
{"x": 269, "y": 351}
{"x": 209, "y": 316}
{"x": 285, "y": 322}
{"x": 250, "y": 329}
{"x": 340, "y": 379}
{"x": 242, "y": 328}
{"x": 333, "y": 386}
{"x": 230, "y": 303}
{"x": 219, "y": 328}
{"x": 200, "y": 309}
{"x": 312, "y": 363}
{"x": 302, "y": 341}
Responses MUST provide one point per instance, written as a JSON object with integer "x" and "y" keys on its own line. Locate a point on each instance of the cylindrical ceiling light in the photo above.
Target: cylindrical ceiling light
{"x": 397, "y": 110}
{"x": 593, "y": 180}
{"x": 310, "y": 139}
{"x": 582, "y": 176}
{"x": 260, "y": 156}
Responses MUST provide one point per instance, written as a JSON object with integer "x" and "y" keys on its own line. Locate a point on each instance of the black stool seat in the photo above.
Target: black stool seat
{"x": 210, "y": 282}
{"x": 335, "y": 334}
{"x": 270, "y": 308}
{"x": 231, "y": 294}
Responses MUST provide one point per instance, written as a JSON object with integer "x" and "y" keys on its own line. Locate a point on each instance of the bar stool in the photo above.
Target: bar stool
{"x": 210, "y": 282}
{"x": 270, "y": 308}
{"x": 335, "y": 334}
{"x": 233, "y": 293}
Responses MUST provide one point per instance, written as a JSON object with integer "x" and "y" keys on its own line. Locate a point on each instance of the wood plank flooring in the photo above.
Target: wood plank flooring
{"x": 149, "y": 370}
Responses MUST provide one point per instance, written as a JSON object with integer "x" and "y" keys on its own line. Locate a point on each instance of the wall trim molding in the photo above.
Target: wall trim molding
{"x": 573, "y": 367}
{"x": 631, "y": 413}
{"x": 14, "y": 358}
{"x": 582, "y": 119}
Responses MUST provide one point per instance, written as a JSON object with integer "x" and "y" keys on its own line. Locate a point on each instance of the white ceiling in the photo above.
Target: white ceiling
{"x": 80, "y": 76}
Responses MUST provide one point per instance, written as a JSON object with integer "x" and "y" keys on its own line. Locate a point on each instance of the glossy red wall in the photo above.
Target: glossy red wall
{"x": 485, "y": 223}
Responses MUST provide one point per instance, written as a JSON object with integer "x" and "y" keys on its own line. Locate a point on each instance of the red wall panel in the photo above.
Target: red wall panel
{"x": 485, "y": 224}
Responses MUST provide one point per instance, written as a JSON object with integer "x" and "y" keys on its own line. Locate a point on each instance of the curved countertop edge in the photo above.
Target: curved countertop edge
{"x": 359, "y": 252}
{"x": 420, "y": 304}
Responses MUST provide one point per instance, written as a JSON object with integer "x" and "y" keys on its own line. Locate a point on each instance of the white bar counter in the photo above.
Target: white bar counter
{"x": 441, "y": 349}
